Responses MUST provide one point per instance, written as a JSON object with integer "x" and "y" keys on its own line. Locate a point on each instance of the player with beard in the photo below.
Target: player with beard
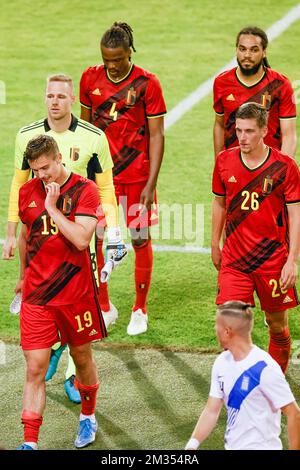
{"x": 254, "y": 81}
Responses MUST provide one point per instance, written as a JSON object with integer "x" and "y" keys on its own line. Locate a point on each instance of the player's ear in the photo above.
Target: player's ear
{"x": 59, "y": 158}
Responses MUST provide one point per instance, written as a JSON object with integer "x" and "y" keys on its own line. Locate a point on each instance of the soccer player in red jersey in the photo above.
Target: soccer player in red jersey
{"x": 58, "y": 210}
{"x": 127, "y": 103}
{"x": 253, "y": 80}
{"x": 257, "y": 191}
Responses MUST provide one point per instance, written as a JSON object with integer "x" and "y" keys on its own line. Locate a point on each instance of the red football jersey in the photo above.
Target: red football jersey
{"x": 256, "y": 214}
{"x": 122, "y": 110}
{"x": 273, "y": 91}
{"x": 56, "y": 273}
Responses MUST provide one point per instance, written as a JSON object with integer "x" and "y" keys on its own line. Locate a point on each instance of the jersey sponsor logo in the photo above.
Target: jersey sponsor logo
{"x": 74, "y": 153}
{"x": 32, "y": 204}
{"x": 131, "y": 97}
{"x": 230, "y": 97}
{"x": 267, "y": 185}
{"x": 96, "y": 92}
{"x": 232, "y": 179}
{"x": 93, "y": 332}
{"x": 287, "y": 299}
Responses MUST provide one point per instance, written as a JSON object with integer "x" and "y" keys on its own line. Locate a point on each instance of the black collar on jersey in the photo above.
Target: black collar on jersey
{"x": 257, "y": 167}
{"x": 122, "y": 79}
{"x": 254, "y": 84}
{"x": 72, "y": 127}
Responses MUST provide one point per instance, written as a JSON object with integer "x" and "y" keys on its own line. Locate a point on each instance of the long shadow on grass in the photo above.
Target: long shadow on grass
{"x": 199, "y": 383}
{"x": 151, "y": 394}
{"x": 106, "y": 426}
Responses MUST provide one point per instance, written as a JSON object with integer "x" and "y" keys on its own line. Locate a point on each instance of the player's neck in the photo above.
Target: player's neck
{"x": 60, "y": 125}
{"x": 241, "y": 348}
{"x": 257, "y": 157}
{"x": 250, "y": 80}
{"x": 63, "y": 177}
{"x": 120, "y": 79}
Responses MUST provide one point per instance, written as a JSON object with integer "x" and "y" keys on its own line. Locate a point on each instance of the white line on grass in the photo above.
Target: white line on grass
{"x": 206, "y": 87}
{"x": 169, "y": 248}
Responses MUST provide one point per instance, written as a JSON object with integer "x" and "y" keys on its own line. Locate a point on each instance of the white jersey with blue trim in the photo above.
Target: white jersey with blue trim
{"x": 253, "y": 390}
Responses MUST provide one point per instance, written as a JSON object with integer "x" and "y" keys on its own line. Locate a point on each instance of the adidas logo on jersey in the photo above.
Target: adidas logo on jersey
{"x": 287, "y": 299}
{"x": 232, "y": 179}
{"x": 93, "y": 332}
{"x": 96, "y": 92}
{"x": 230, "y": 97}
{"x": 32, "y": 204}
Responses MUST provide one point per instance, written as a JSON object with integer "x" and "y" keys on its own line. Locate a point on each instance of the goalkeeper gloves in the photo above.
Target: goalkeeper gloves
{"x": 116, "y": 251}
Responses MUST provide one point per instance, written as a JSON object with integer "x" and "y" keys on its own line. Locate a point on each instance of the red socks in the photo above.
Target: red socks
{"x": 143, "y": 272}
{"x": 280, "y": 347}
{"x": 32, "y": 422}
{"x": 88, "y": 395}
{"x": 103, "y": 291}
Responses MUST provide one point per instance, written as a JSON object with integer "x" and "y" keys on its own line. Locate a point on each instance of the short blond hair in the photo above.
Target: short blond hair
{"x": 61, "y": 77}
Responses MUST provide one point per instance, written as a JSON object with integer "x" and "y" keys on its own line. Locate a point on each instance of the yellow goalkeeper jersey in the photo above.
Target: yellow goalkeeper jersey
{"x": 84, "y": 147}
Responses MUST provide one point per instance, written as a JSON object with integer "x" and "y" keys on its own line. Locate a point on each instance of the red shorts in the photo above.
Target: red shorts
{"x": 235, "y": 285}
{"x": 128, "y": 196}
{"x": 43, "y": 325}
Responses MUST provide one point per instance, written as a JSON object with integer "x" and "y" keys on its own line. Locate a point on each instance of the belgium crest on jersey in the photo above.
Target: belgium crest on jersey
{"x": 131, "y": 97}
{"x": 267, "y": 185}
{"x": 74, "y": 153}
{"x": 266, "y": 101}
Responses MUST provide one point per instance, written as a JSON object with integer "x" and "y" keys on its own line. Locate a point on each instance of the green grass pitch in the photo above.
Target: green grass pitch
{"x": 184, "y": 42}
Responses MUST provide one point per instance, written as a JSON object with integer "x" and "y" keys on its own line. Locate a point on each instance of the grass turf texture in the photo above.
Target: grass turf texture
{"x": 184, "y": 43}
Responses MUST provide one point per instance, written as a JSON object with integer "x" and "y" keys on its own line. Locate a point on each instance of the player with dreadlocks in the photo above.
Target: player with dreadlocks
{"x": 127, "y": 103}
{"x": 254, "y": 81}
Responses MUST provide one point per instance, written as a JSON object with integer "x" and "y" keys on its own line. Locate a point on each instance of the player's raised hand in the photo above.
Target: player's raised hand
{"x": 53, "y": 192}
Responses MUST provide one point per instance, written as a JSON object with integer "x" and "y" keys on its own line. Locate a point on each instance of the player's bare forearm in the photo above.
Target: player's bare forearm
{"x": 22, "y": 251}
{"x": 218, "y": 220}
{"x": 294, "y": 231}
{"x": 156, "y": 148}
{"x": 292, "y": 413}
{"x": 208, "y": 419}
{"x": 288, "y": 136}
{"x": 218, "y": 134}
{"x": 79, "y": 233}
{"x": 289, "y": 271}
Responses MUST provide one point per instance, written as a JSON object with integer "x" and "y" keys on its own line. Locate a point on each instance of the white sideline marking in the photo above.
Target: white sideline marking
{"x": 206, "y": 87}
{"x": 177, "y": 249}
{"x": 170, "y": 248}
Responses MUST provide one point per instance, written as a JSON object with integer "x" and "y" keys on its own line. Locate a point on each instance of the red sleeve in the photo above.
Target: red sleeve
{"x": 21, "y": 204}
{"x": 84, "y": 89}
{"x": 218, "y": 187}
{"x": 217, "y": 91}
{"x": 292, "y": 183}
{"x": 88, "y": 201}
{"x": 287, "y": 104}
{"x": 154, "y": 100}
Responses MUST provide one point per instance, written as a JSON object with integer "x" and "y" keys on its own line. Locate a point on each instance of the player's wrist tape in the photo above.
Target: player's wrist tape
{"x": 114, "y": 236}
{"x": 193, "y": 443}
